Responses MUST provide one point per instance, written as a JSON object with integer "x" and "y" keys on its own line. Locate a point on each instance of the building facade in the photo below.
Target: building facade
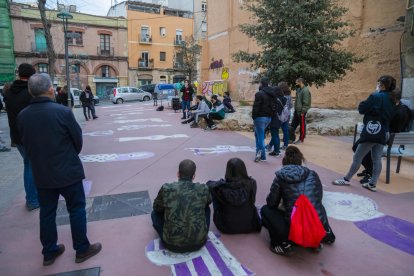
{"x": 377, "y": 40}
{"x": 7, "y": 61}
{"x": 154, "y": 33}
{"x": 98, "y": 50}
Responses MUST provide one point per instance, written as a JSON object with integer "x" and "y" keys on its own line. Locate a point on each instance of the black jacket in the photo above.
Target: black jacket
{"x": 52, "y": 139}
{"x": 378, "y": 104}
{"x": 262, "y": 106}
{"x": 234, "y": 211}
{"x": 86, "y": 100}
{"x": 190, "y": 93}
{"x": 279, "y": 103}
{"x": 290, "y": 182}
{"x": 401, "y": 120}
{"x": 63, "y": 99}
{"x": 16, "y": 99}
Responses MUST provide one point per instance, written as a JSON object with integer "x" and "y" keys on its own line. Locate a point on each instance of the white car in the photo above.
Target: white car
{"x": 125, "y": 94}
{"x": 76, "y": 94}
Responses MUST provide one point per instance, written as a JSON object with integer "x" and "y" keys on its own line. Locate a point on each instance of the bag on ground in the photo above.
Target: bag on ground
{"x": 306, "y": 228}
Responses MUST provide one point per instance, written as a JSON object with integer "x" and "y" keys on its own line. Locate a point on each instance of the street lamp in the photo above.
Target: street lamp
{"x": 64, "y": 15}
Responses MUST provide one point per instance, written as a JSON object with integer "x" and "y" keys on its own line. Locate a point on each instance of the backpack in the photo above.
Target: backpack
{"x": 285, "y": 114}
{"x": 306, "y": 228}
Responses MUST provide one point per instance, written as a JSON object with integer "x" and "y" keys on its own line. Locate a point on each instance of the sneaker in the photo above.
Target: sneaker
{"x": 285, "y": 249}
{"x": 362, "y": 174}
{"x": 366, "y": 179}
{"x": 183, "y": 118}
{"x": 194, "y": 125}
{"x": 298, "y": 142}
{"x": 90, "y": 252}
{"x": 283, "y": 148}
{"x": 369, "y": 186}
{"x": 213, "y": 127}
{"x": 51, "y": 259}
{"x": 258, "y": 157}
{"x": 273, "y": 153}
{"x": 4, "y": 149}
{"x": 31, "y": 207}
{"x": 268, "y": 147}
{"x": 318, "y": 249}
{"x": 341, "y": 182}
{"x": 96, "y": 117}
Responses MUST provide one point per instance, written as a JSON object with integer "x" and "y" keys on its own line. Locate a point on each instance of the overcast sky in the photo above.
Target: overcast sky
{"x": 98, "y": 7}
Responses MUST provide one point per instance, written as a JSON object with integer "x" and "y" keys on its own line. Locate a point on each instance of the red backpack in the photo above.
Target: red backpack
{"x": 306, "y": 228}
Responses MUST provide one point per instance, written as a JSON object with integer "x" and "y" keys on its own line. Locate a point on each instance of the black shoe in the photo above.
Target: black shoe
{"x": 366, "y": 179}
{"x": 362, "y": 174}
{"x": 274, "y": 153}
{"x": 285, "y": 249}
{"x": 92, "y": 251}
{"x": 183, "y": 118}
{"x": 31, "y": 207}
{"x": 51, "y": 259}
{"x": 96, "y": 117}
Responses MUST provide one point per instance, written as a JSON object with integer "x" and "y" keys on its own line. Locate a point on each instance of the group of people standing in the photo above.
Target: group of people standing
{"x": 181, "y": 212}
{"x": 272, "y": 109}
{"x": 86, "y": 99}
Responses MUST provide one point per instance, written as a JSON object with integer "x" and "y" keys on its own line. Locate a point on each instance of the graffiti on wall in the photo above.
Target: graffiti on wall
{"x": 217, "y": 87}
{"x": 216, "y": 64}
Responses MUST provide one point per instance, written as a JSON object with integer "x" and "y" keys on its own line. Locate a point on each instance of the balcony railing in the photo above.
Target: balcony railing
{"x": 145, "y": 64}
{"x": 107, "y": 52}
{"x": 145, "y": 39}
{"x": 39, "y": 47}
{"x": 179, "y": 42}
{"x": 178, "y": 65}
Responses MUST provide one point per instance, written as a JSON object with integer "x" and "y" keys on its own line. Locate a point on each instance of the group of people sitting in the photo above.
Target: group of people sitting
{"x": 181, "y": 212}
{"x": 203, "y": 108}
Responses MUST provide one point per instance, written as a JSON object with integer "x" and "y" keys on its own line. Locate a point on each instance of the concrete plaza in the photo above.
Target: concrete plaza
{"x": 133, "y": 149}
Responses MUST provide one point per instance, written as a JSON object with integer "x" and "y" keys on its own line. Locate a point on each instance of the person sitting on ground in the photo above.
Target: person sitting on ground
{"x": 181, "y": 214}
{"x": 292, "y": 180}
{"x": 202, "y": 108}
{"x": 227, "y": 103}
{"x": 216, "y": 113}
{"x": 233, "y": 200}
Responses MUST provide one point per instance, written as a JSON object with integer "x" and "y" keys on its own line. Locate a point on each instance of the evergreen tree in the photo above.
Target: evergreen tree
{"x": 187, "y": 56}
{"x": 298, "y": 38}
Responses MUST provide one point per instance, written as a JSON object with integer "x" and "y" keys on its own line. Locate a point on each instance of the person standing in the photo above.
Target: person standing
{"x": 181, "y": 212}
{"x": 302, "y": 105}
{"x": 16, "y": 99}
{"x": 285, "y": 125}
{"x": 263, "y": 109}
{"x": 275, "y": 123}
{"x": 86, "y": 98}
{"x": 3, "y": 147}
{"x": 187, "y": 92}
{"x": 62, "y": 98}
{"x": 53, "y": 140}
{"x": 378, "y": 110}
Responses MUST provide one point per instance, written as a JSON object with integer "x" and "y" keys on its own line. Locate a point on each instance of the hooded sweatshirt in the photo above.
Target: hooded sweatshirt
{"x": 16, "y": 99}
{"x": 263, "y": 100}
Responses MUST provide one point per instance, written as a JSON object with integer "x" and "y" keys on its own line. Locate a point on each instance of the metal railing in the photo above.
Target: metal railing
{"x": 145, "y": 39}
{"x": 108, "y": 52}
{"x": 179, "y": 42}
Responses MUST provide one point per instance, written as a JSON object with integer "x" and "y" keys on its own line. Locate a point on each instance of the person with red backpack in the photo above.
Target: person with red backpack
{"x": 303, "y": 221}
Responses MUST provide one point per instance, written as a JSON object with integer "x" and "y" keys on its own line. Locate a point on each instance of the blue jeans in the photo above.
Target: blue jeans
{"x": 75, "y": 204}
{"x": 285, "y": 130}
{"x": 185, "y": 105}
{"x": 260, "y": 124}
{"x": 275, "y": 141}
{"x": 29, "y": 184}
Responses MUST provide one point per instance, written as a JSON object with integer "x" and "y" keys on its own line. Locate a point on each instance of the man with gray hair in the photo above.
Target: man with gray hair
{"x": 52, "y": 140}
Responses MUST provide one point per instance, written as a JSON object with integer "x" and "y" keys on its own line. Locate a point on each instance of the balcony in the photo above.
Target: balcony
{"x": 179, "y": 42}
{"x": 145, "y": 64}
{"x": 178, "y": 65}
{"x": 106, "y": 52}
{"x": 145, "y": 39}
{"x": 39, "y": 47}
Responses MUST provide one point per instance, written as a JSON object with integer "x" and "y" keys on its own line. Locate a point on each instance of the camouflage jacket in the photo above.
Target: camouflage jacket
{"x": 183, "y": 204}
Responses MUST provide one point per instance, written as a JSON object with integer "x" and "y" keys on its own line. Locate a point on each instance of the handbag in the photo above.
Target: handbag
{"x": 374, "y": 128}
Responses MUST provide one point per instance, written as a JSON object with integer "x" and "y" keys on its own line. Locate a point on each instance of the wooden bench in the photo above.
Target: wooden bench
{"x": 400, "y": 144}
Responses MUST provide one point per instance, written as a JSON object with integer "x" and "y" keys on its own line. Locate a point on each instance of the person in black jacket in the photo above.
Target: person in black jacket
{"x": 275, "y": 123}
{"x": 234, "y": 200}
{"x": 16, "y": 99}
{"x": 62, "y": 98}
{"x": 263, "y": 110}
{"x": 53, "y": 140}
{"x": 290, "y": 182}
{"x": 86, "y": 98}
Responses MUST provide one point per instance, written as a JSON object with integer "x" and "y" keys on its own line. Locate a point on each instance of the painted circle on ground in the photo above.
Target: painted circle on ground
{"x": 349, "y": 206}
{"x": 162, "y": 256}
{"x": 113, "y": 157}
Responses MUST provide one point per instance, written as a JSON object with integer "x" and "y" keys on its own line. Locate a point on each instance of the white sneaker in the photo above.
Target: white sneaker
{"x": 341, "y": 182}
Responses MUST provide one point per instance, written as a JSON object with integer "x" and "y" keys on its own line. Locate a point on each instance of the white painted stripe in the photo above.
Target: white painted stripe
{"x": 215, "y": 36}
{"x": 174, "y": 273}
{"x": 191, "y": 267}
{"x": 156, "y": 245}
{"x": 211, "y": 265}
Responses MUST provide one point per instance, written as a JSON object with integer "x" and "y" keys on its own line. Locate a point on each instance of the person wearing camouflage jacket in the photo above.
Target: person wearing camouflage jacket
{"x": 181, "y": 214}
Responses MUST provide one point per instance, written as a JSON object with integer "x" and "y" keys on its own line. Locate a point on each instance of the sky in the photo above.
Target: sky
{"x": 97, "y": 7}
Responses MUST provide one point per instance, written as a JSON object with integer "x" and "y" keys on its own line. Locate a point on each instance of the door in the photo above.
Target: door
{"x": 40, "y": 40}
{"x": 125, "y": 95}
{"x": 104, "y": 90}
{"x": 135, "y": 95}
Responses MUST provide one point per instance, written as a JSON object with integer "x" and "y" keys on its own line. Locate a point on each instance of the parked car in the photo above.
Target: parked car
{"x": 126, "y": 94}
{"x": 148, "y": 87}
{"x": 76, "y": 94}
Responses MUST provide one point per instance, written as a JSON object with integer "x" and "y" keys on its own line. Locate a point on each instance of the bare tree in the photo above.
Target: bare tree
{"x": 51, "y": 56}
{"x": 187, "y": 56}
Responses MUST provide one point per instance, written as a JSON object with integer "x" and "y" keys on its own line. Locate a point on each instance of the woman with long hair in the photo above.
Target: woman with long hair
{"x": 291, "y": 181}
{"x": 234, "y": 200}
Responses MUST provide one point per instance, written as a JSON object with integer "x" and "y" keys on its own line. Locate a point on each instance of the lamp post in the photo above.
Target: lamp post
{"x": 64, "y": 15}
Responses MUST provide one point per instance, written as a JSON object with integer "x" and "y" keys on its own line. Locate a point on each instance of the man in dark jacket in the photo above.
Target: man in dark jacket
{"x": 302, "y": 105}
{"x": 263, "y": 110}
{"x": 53, "y": 139}
{"x": 16, "y": 99}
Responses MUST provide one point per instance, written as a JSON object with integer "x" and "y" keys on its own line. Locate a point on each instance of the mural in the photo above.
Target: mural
{"x": 217, "y": 87}
{"x": 216, "y": 64}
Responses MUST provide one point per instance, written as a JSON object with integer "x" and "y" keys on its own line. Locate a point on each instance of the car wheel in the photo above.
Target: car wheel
{"x": 119, "y": 101}
{"x": 146, "y": 98}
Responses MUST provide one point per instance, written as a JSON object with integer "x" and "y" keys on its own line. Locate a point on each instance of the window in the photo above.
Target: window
{"x": 43, "y": 67}
{"x": 178, "y": 36}
{"x": 145, "y": 34}
{"x": 40, "y": 41}
{"x": 163, "y": 31}
{"x": 105, "y": 44}
{"x": 75, "y": 68}
{"x": 163, "y": 79}
{"x": 163, "y": 56}
{"x": 204, "y": 26}
{"x": 204, "y": 6}
{"x": 75, "y": 38}
{"x": 133, "y": 90}
{"x": 144, "y": 60}
{"x": 105, "y": 71}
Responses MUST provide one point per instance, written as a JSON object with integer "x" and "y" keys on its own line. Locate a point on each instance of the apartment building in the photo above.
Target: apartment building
{"x": 154, "y": 33}
{"x": 98, "y": 52}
